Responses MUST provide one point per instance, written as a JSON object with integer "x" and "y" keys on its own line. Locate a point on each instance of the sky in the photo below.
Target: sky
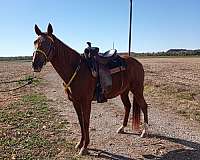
{"x": 158, "y": 25}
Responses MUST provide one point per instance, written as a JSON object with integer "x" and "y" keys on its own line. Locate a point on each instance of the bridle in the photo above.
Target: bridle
{"x": 39, "y": 51}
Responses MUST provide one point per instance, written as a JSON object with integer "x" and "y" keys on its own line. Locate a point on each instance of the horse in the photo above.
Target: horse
{"x": 80, "y": 84}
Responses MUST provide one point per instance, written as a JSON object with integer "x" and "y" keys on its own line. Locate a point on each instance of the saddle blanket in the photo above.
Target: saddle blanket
{"x": 117, "y": 69}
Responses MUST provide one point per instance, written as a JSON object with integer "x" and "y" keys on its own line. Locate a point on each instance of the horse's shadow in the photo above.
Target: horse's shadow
{"x": 179, "y": 154}
{"x": 107, "y": 155}
{"x": 190, "y": 144}
{"x": 192, "y": 151}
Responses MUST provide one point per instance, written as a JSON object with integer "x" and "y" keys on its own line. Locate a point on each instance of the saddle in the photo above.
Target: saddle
{"x": 105, "y": 58}
{"x": 102, "y": 66}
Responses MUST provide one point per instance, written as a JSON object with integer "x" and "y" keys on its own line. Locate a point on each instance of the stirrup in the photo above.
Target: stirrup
{"x": 94, "y": 73}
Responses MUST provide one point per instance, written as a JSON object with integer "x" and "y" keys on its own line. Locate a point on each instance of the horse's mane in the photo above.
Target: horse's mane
{"x": 63, "y": 48}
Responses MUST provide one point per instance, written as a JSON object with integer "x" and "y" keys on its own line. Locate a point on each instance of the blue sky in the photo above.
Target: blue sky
{"x": 157, "y": 24}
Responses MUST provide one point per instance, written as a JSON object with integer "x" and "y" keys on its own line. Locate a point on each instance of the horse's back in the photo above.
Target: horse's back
{"x": 132, "y": 61}
{"x": 133, "y": 64}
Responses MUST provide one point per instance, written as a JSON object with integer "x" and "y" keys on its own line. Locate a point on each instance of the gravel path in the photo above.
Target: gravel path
{"x": 170, "y": 136}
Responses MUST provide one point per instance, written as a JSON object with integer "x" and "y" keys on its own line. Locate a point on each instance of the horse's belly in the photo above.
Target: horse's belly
{"x": 119, "y": 85}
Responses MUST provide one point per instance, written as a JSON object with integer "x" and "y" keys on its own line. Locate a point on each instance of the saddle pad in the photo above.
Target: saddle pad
{"x": 117, "y": 62}
{"x": 117, "y": 69}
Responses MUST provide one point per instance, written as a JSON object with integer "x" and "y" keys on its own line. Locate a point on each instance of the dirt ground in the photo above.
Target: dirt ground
{"x": 12, "y": 71}
{"x": 172, "y": 92}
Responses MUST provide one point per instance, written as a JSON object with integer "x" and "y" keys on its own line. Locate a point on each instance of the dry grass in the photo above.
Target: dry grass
{"x": 176, "y": 82}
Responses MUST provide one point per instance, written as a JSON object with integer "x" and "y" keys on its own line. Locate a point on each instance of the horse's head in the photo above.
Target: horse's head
{"x": 44, "y": 48}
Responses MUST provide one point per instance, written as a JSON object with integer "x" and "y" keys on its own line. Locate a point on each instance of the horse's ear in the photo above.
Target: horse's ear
{"x": 50, "y": 29}
{"x": 37, "y": 30}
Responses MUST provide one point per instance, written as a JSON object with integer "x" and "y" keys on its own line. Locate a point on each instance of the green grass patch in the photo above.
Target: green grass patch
{"x": 148, "y": 89}
{"x": 32, "y": 130}
{"x": 29, "y": 78}
{"x": 185, "y": 95}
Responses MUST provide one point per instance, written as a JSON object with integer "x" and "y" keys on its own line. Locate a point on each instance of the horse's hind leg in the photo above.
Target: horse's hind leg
{"x": 127, "y": 107}
{"x": 144, "y": 110}
{"x": 139, "y": 97}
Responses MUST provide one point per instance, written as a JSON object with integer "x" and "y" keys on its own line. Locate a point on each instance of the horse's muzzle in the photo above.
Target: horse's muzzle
{"x": 35, "y": 68}
{"x": 38, "y": 62}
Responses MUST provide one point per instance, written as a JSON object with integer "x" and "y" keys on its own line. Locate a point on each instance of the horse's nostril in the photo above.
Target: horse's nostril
{"x": 33, "y": 64}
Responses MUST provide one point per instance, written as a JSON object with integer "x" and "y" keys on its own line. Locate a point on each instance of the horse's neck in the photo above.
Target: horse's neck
{"x": 65, "y": 60}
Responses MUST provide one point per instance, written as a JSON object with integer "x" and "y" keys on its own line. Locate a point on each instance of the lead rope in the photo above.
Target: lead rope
{"x": 27, "y": 80}
{"x": 67, "y": 86}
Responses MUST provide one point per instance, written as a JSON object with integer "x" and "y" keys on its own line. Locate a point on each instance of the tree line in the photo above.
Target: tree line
{"x": 171, "y": 52}
{"x": 25, "y": 58}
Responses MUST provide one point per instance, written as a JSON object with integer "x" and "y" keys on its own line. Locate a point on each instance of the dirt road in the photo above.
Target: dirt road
{"x": 170, "y": 136}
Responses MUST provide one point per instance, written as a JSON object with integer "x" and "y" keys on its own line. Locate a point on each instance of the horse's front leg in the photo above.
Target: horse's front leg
{"x": 77, "y": 107}
{"x": 86, "y": 110}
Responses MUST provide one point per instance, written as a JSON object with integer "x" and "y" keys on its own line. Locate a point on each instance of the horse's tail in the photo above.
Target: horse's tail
{"x": 136, "y": 115}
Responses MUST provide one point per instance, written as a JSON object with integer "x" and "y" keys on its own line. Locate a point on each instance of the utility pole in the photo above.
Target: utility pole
{"x": 130, "y": 24}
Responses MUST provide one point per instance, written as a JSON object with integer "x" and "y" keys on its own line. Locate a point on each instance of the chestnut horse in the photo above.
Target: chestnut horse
{"x": 72, "y": 68}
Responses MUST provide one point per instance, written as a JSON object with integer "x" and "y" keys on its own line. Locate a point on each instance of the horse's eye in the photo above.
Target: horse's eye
{"x": 35, "y": 42}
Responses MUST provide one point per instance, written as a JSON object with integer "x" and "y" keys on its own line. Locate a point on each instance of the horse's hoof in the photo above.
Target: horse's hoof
{"x": 83, "y": 151}
{"x": 144, "y": 131}
{"x": 143, "y": 134}
{"x": 78, "y": 146}
{"x": 121, "y": 130}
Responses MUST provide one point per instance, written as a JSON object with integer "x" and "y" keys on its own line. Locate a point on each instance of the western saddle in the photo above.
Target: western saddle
{"x": 102, "y": 66}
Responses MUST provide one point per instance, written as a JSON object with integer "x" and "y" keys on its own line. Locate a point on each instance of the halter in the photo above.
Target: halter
{"x": 41, "y": 51}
